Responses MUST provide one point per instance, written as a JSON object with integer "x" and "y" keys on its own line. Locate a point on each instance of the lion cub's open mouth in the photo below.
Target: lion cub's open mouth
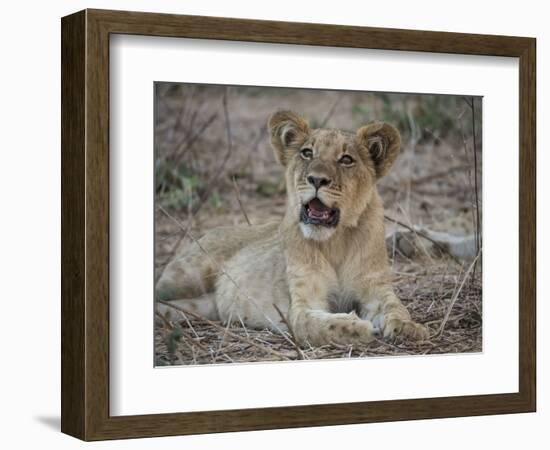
{"x": 315, "y": 212}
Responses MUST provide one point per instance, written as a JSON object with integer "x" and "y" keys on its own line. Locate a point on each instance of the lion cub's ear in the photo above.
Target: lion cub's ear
{"x": 288, "y": 131}
{"x": 383, "y": 142}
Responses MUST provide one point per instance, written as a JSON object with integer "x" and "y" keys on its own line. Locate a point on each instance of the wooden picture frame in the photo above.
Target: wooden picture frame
{"x": 85, "y": 224}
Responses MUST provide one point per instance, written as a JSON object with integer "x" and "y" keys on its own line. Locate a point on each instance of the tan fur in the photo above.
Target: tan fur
{"x": 333, "y": 283}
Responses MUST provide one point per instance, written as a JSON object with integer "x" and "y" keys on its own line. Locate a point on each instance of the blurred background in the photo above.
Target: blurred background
{"x": 214, "y": 166}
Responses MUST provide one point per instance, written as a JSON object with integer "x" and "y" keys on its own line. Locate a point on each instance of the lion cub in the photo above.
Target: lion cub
{"x": 324, "y": 265}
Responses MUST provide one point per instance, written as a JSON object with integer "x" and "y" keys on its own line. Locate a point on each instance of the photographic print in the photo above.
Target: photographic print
{"x": 303, "y": 224}
{"x": 313, "y": 224}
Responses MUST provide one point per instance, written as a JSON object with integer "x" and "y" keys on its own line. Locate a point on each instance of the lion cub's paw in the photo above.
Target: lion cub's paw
{"x": 406, "y": 329}
{"x": 346, "y": 329}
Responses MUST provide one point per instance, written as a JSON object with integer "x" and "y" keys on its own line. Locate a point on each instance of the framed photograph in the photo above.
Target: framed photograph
{"x": 271, "y": 224}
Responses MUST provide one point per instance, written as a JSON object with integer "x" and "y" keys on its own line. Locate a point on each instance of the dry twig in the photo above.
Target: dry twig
{"x": 186, "y": 144}
{"x": 455, "y": 296}
{"x": 238, "y": 194}
{"x": 331, "y": 111}
{"x": 229, "y": 333}
{"x": 291, "y": 331}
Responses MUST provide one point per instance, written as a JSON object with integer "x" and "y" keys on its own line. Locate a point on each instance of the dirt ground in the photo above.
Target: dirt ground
{"x": 214, "y": 167}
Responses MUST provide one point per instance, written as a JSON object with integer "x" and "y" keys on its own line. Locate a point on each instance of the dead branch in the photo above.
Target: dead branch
{"x": 185, "y": 145}
{"x": 478, "y": 225}
{"x": 425, "y": 236}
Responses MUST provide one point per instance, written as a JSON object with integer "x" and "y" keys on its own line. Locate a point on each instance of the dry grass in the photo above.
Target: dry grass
{"x": 435, "y": 180}
{"x": 190, "y": 340}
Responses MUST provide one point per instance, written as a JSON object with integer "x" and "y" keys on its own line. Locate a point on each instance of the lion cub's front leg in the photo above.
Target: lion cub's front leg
{"x": 308, "y": 313}
{"x": 383, "y": 307}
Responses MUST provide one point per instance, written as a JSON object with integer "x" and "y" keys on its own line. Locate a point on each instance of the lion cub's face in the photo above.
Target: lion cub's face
{"x": 330, "y": 174}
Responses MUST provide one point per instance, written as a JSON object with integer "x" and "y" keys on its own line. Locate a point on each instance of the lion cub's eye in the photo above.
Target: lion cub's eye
{"x": 306, "y": 153}
{"x": 346, "y": 160}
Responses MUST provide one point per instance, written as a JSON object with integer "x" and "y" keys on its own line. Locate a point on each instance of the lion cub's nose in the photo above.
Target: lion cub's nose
{"x": 318, "y": 182}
